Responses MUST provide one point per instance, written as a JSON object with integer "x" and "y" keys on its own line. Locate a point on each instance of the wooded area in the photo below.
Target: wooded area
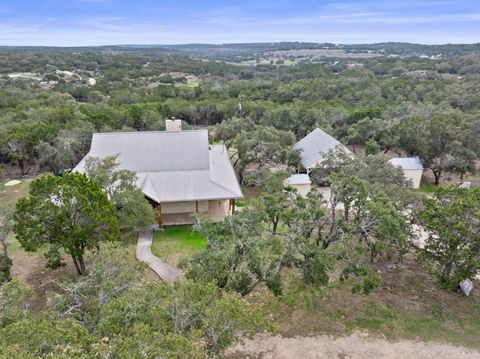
{"x": 280, "y": 252}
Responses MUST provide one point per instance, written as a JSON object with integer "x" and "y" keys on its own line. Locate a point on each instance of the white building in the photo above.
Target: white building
{"x": 412, "y": 168}
{"x": 178, "y": 171}
{"x": 314, "y": 146}
{"x": 301, "y": 182}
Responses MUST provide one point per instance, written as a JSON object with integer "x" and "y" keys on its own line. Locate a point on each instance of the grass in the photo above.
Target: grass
{"x": 176, "y": 243}
{"x": 407, "y": 305}
{"x": 239, "y": 203}
{"x": 250, "y": 192}
{"x": 189, "y": 84}
{"x": 9, "y": 195}
{"x": 427, "y": 188}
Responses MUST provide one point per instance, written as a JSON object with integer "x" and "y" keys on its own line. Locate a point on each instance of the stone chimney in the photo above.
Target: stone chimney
{"x": 173, "y": 124}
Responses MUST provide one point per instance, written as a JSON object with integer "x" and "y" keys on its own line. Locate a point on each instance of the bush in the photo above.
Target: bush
{"x": 316, "y": 268}
{"x": 15, "y": 298}
{"x": 5, "y": 266}
{"x": 452, "y": 249}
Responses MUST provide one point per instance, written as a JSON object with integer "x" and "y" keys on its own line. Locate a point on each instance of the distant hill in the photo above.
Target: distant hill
{"x": 247, "y": 51}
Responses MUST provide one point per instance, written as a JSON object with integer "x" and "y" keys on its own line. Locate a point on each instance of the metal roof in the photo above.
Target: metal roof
{"x": 407, "y": 163}
{"x": 314, "y": 146}
{"x": 297, "y": 179}
{"x": 170, "y": 166}
{"x": 155, "y": 150}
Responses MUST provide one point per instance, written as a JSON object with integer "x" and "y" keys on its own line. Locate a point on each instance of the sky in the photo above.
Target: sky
{"x": 111, "y": 22}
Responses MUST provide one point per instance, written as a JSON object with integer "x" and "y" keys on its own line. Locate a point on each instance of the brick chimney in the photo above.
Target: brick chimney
{"x": 173, "y": 124}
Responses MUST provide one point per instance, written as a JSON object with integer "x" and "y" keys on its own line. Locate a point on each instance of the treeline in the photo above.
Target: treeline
{"x": 368, "y": 102}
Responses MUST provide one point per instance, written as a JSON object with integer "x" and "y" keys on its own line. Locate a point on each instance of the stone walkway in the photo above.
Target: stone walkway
{"x": 144, "y": 254}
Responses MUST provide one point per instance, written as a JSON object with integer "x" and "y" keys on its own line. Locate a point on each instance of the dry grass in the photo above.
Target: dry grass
{"x": 407, "y": 305}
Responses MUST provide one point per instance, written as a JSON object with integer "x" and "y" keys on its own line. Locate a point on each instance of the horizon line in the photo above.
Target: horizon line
{"x": 243, "y": 43}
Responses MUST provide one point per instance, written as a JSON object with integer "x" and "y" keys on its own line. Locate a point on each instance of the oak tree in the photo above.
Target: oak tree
{"x": 70, "y": 212}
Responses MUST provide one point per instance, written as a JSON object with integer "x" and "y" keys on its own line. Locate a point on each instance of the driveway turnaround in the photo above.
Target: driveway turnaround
{"x": 144, "y": 254}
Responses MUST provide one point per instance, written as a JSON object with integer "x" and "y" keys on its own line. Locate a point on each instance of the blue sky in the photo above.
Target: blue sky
{"x": 102, "y": 22}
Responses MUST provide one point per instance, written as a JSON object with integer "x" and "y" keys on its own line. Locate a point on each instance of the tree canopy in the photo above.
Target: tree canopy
{"x": 132, "y": 210}
{"x": 71, "y": 213}
{"x": 452, "y": 247}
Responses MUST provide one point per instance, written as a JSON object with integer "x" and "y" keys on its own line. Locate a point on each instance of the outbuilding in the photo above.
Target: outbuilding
{"x": 412, "y": 168}
{"x": 314, "y": 147}
{"x": 301, "y": 182}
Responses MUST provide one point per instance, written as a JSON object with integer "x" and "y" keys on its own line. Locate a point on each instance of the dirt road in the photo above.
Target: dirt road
{"x": 356, "y": 346}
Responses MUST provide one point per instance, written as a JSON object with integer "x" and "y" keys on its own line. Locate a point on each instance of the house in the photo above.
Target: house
{"x": 301, "y": 182}
{"x": 412, "y": 168}
{"x": 178, "y": 171}
{"x": 314, "y": 147}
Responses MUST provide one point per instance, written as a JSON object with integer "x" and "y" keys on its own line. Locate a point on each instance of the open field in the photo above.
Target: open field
{"x": 319, "y": 53}
{"x": 176, "y": 243}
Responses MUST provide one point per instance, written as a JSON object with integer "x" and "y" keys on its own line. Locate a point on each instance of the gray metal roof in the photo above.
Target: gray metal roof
{"x": 300, "y": 178}
{"x": 314, "y": 146}
{"x": 407, "y": 163}
{"x": 170, "y": 166}
{"x": 155, "y": 150}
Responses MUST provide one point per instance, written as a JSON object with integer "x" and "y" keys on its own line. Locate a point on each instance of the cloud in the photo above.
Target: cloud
{"x": 118, "y": 23}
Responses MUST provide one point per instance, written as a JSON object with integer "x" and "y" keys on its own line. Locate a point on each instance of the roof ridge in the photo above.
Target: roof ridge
{"x": 172, "y": 171}
{"x": 326, "y": 133}
{"x": 223, "y": 187}
{"x": 146, "y": 132}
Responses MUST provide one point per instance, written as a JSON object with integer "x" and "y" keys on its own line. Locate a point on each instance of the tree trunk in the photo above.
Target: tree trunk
{"x": 437, "y": 174}
{"x": 240, "y": 174}
{"x": 82, "y": 265}
{"x": 274, "y": 227}
{"x": 21, "y": 164}
{"x": 75, "y": 263}
{"x": 319, "y": 236}
{"x": 233, "y": 155}
{"x": 333, "y": 224}
{"x": 5, "y": 247}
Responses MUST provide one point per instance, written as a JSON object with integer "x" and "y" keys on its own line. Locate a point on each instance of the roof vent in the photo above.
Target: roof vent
{"x": 173, "y": 124}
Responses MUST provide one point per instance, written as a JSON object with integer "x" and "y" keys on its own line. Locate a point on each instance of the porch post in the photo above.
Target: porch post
{"x": 159, "y": 211}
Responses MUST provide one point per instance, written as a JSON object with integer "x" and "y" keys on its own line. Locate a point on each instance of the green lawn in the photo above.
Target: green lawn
{"x": 175, "y": 243}
{"x": 427, "y": 188}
